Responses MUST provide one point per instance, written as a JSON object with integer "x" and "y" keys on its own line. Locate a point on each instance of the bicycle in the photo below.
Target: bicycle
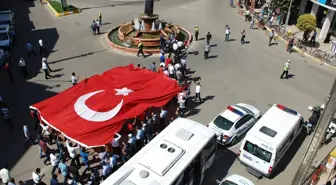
{"x": 319, "y": 54}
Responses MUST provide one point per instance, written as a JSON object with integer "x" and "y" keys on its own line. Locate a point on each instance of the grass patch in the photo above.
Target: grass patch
{"x": 58, "y": 7}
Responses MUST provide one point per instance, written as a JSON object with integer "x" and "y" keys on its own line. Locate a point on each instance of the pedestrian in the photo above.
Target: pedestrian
{"x": 74, "y": 78}
{"x": 313, "y": 37}
{"x": 252, "y": 24}
{"x": 198, "y": 92}
{"x": 63, "y": 168}
{"x": 115, "y": 143}
{"x": 163, "y": 116}
{"x": 184, "y": 65}
{"x": 85, "y": 158}
{"x": 208, "y": 37}
{"x": 22, "y": 183}
{"x": 94, "y": 27}
{"x": 36, "y": 176}
{"x": 45, "y": 149}
{"x": 132, "y": 144}
{"x": 196, "y": 32}
{"x": 60, "y": 146}
{"x": 140, "y": 49}
{"x": 227, "y": 33}
{"x": 114, "y": 161}
{"x": 8, "y": 68}
{"x": 290, "y": 45}
{"x": 42, "y": 48}
{"x": 243, "y": 35}
{"x": 6, "y": 116}
{"x": 271, "y": 37}
{"x": 30, "y": 49}
{"x": 72, "y": 153}
{"x": 171, "y": 71}
{"x": 100, "y": 17}
{"x": 54, "y": 160}
{"x": 94, "y": 178}
{"x": 150, "y": 128}
{"x": 23, "y": 68}
{"x": 285, "y": 71}
{"x": 4, "y": 174}
{"x": 206, "y": 51}
{"x": 153, "y": 67}
{"x": 106, "y": 169}
{"x": 140, "y": 136}
{"x": 27, "y": 135}
{"x": 182, "y": 106}
{"x": 162, "y": 41}
{"x": 46, "y": 70}
{"x": 98, "y": 26}
{"x": 11, "y": 181}
{"x": 54, "y": 180}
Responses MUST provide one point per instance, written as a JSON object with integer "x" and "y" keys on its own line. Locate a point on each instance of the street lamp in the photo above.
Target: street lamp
{"x": 288, "y": 15}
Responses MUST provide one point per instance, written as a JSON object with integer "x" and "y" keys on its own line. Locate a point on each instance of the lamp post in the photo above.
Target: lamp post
{"x": 288, "y": 15}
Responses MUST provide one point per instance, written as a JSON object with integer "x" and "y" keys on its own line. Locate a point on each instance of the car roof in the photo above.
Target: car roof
{"x": 240, "y": 180}
{"x": 4, "y": 17}
{"x": 233, "y": 115}
{"x": 4, "y": 28}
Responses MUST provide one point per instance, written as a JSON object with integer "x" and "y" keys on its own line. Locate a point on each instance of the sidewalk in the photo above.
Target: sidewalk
{"x": 306, "y": 50}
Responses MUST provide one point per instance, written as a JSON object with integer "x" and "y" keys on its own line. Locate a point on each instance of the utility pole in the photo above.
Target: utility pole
{"x": 288, "y": 15}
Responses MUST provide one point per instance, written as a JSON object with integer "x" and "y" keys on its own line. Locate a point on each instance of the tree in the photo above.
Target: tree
{"x": 306, "y": 22}
{"x": 284, "y": 5}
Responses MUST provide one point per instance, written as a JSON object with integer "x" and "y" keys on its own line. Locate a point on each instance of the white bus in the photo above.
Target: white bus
{"x": 180, "y": 154}
{"x": 269, "y": 139}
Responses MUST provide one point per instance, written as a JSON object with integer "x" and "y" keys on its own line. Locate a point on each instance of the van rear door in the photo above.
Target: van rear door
{"x": 257, "y": 157}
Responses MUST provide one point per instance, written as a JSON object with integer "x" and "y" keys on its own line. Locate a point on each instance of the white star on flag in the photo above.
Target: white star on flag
{"x": 124, "y": 91}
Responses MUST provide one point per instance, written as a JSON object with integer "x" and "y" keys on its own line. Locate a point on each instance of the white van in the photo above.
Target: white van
{"x": 269, "y": 139}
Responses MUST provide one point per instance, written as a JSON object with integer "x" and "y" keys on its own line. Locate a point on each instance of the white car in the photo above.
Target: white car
{"x": 233, "y": 122}
{"x": 235, "y": 180}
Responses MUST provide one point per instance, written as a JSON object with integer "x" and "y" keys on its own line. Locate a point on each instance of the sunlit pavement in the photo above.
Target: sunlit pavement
{"x": 246, "y": 73}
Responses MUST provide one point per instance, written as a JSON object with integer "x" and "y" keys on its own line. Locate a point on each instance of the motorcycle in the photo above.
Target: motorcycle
{"x": 312, "y": 121}
{"x": 330, "y": 131}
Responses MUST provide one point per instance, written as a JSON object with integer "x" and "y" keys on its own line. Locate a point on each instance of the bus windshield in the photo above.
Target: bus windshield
{"x": 257, "y": 151}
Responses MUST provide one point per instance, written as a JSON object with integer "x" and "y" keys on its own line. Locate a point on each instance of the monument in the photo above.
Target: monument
{"x": 147, "y": 28}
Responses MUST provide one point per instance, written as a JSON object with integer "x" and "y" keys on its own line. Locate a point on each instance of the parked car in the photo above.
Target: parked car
{"x": 6, "y": 37}
{"x": 8, "y": 19}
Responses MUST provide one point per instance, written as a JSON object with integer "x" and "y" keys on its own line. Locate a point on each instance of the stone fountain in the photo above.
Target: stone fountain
{"x": 147, "y": 28}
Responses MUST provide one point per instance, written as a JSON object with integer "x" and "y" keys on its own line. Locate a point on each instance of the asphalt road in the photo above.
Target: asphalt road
{"x": 236, "y": 73}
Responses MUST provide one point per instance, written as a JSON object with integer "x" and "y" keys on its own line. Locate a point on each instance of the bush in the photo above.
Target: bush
{"x": 58, "y": 7}
{"x": 306, "y": 22}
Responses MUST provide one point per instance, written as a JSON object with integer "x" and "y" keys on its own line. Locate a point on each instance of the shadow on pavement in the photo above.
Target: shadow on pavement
{"x": 224, "y": 159}
{"x": 289, "y": 155}
{"x": 77, "y": 56}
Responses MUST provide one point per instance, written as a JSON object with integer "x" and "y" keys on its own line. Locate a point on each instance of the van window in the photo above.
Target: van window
{"x": 268, "y": 131}
{"x": 257, "y": 151}
{"x": 227, "y": 182}
{"x": 4, "y": 36}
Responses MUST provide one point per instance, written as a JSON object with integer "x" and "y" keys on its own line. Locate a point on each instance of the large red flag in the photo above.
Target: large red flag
{"x": 93, "y": 110}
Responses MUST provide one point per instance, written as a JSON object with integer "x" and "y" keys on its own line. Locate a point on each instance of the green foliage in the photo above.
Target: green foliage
{"x": 58, "y": 7}
{"x": 306, "y": 22}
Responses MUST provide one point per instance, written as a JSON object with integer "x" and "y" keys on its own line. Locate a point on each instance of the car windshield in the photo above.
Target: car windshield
{"x": 227, "y": 182}
{"x": 257, "y": 151}
{"x": 223, "y": 123}
{"x": 3, "y": 36}
{"x": 245, "y": 109}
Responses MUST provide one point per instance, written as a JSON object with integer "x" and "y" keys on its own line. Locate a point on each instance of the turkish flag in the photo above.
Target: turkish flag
{"x": 96, "y": 108}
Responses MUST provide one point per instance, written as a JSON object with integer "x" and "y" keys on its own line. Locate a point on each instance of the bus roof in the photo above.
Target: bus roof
{"x": 275, "y": 125}
{"x": 163, "y": 159}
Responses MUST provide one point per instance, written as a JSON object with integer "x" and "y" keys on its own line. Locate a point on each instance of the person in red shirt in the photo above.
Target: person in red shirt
{"x": 168, "y": 61}
{"x": 160, "y": 70}
{"x": 45, "y": 149}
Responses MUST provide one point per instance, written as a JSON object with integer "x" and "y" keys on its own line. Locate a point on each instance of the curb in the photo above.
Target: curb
{"x": 135, "y": 50}
{"x": 63, "y": 13}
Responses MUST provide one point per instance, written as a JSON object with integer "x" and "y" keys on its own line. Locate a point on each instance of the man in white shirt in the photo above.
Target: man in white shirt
{"x": 184, "y": 65}
{"x": 36, "y": 176}
{"x": 42, "y": 48}
{"x": 171, "y": 71}
{"x": 74, "y": 78}
{"x": 54, "y": 162}
{"x": 115, "y": 143}
{"x": 23, "y": 68}
{"x": 5, "y": 175}
{"x": 163, "y": 116}
{"x": 198, "y": 92}
{"x": 72, "y": 153}
{"x": 177, "y": 66}
{"x": 46, "y": 70}
{"x": 166, "y": 72}
{"x": 227, "y": 33}
{"x": 98, "y": 26}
